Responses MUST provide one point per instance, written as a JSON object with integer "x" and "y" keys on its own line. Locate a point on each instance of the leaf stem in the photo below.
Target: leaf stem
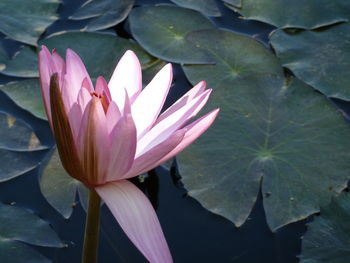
{"x": 92, "y": 229}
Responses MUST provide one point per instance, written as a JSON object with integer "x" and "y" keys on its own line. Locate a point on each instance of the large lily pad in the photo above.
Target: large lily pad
{"x": 23, "y": 64}
{"x": 58, "y": 187}
{"x": 274, "y": 133}
{"x": 236, "y": 56}
{"x": 307, "y": 14}
{"x": 321, "y": 59}
{"x": 27, "y": 95}
{"x": 25, "y": 21}
{"x": 108, "y": 49}
{"x": 328, "y": 237}
{"x": 207, "y": 7}
{"x": 18, "y": 228}
{"x": 165, "y": 34}
{"x": 18, "y": 142}
{"x": 103, "y": 13}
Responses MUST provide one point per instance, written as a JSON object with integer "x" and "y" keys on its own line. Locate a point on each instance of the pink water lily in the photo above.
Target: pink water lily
{"x": 111, "y": 132}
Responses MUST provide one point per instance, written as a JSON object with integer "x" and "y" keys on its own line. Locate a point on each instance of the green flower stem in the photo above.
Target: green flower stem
{"x": 92, "y": 229}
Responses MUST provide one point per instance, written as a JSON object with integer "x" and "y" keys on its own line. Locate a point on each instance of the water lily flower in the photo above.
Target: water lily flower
{"x": 111, "y": 132}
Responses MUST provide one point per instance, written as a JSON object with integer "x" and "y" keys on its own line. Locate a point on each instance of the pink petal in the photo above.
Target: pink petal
{"x": 74, "y": 116}
{"x": 113, "y": 115}
{"x": 191, "y": 94}
{"x": 86, "y": 84}
{"x": 136, "y": 216}
{"x": 148, "y": 104}
{"x": 93, "y": 144}
{"x": 84, "y": 98}
{"x": 126, "y": 76}
{"x": 59, "y": 63}
{"x": 193, "y": 131}
{"x": 149, "y": 160}
{"x": 46, "y": 69}
{"x": 102, "y": 88}
{"x": 75, "y": 75}
{"x": 123, "y": 148}
{"x": 166, "y": 127}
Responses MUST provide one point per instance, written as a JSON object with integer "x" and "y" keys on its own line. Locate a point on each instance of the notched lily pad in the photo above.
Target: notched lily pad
{"x": 58, "y": 187}
{"x": 18, "y": 143}
{"x": 306, "y": 14}
{"x": 328, "y": 237}
{"x": 207, "y": 7}
{"x": 236, "y": 56}
{"x": 103, "y": 13}
{"x": 25, "y": 21}
{"x": 27, "y": 95}
{"x": 319, "y": 58}
{"x": 272, "y": 133}
{"x": 18, "y": 228}
{"x": 110, "y": 48}
{"x": 23, "y": 64}
{"x": 165, "y": 34}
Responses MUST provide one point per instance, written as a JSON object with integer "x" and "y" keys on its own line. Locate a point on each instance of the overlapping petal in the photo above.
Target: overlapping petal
{"x": 114, "y": 131}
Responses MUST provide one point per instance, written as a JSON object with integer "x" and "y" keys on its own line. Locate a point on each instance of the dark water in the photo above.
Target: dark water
{"x": 193, "y": 233}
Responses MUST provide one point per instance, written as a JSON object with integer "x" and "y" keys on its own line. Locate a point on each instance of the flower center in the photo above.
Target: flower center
{"x": 103, "y": 98}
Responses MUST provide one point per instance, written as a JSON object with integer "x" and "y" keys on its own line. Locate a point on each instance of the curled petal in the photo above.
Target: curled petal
{"x": 137, "y": 218}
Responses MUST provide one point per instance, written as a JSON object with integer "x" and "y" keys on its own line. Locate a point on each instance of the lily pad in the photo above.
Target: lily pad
{"x": 236, "y": 56}
{"x": 109, "y": 49}
{"x": 234, "y": 3}
{"x": 165, "y": 34}
{"x": 25, "y": 21}
{"x": 207, "y": 7}
{"x": 328, "y": 237}
{"x": 27, "y": 95}
{"x": 274, "y": 133}
{"x": 18, "y": 143}
{"x": 58, "y": 187}
{"x": 306, "y": 14}
{"x": 23, "y": 64}
{"x": 18, "y": 228}
{"x": 321, "y": 59}
{"x": 103, "y": 13}
{"x": 16, "y": 135}
{"x": 3, "y": 57}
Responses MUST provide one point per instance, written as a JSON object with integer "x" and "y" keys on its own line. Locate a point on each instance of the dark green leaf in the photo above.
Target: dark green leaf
{"x": 25, "y": 21}
{"x": 18, "y": 143}
{"x": 17, "y": 226}
{"x": 58, "y": 187}
{"x": 272, "y": 132}
{"x": 104, "y": 13}
{"x": 27, "y": 95}
{"x": 328, "y": 237}
{"x": 321, "y": 59}
{"x": 23, "y": 64}
{"x": 99, "y": 52}
{"x": 162, "y": 31}
{"x": 232, "y": 60}
{"x": 305, "y": 14}
{"x": 207, "y": 7}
